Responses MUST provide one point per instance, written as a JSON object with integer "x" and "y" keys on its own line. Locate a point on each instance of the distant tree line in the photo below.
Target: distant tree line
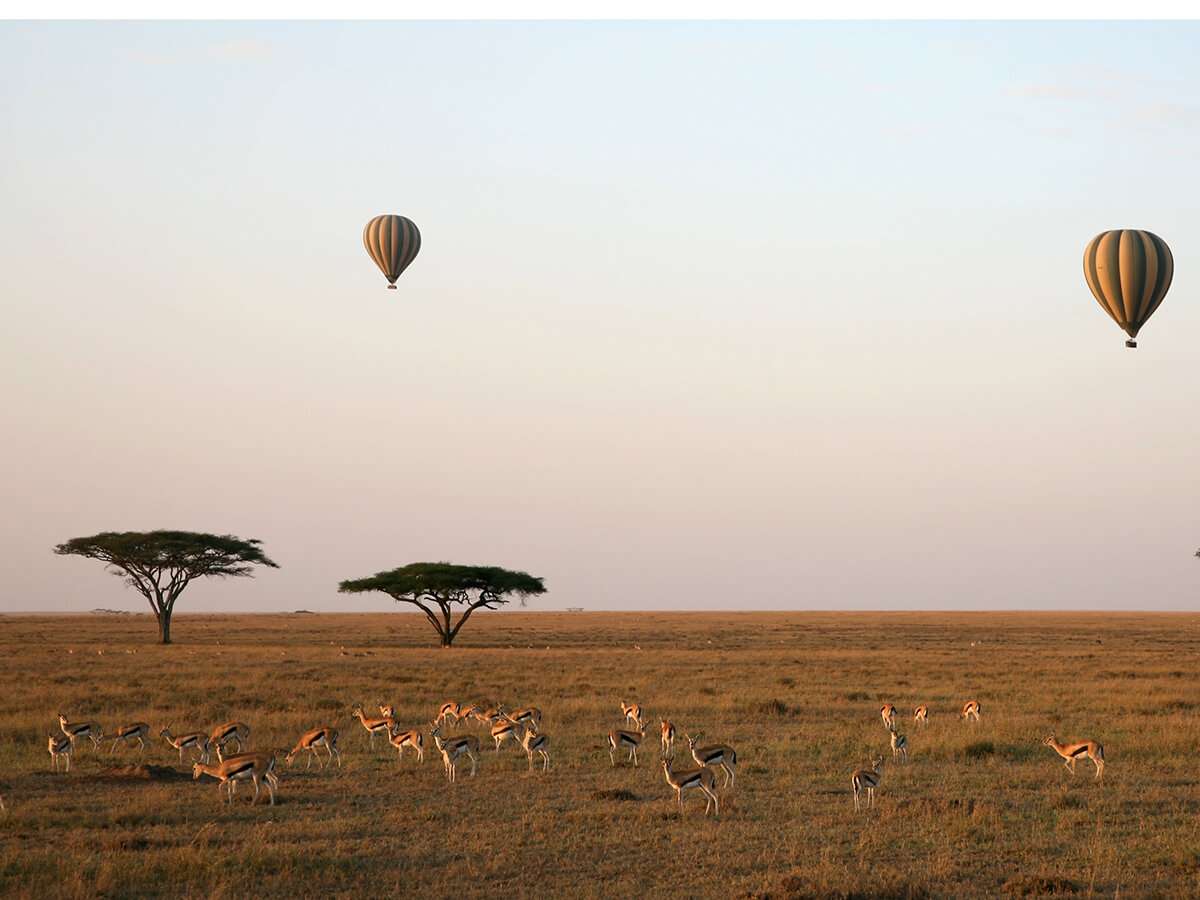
{"x": 161, "y": 564}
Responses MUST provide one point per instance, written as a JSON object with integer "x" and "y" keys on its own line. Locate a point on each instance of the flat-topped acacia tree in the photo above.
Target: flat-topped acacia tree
{"x": 437, "y": 588}
{"x": 160, "y": 564}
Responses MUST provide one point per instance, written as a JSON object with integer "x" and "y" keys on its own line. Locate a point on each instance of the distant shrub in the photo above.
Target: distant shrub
{"x": 771, "y": 708}
{"x": 618, "y": 794}
{"x": 787, "y": 682}
{"x": 803, "y": 887}
{"x": 708, "y": 691}
{"x": 979, "y": 750}
{"x": 858, "y": 696}
{"x": 1039, "y": 885}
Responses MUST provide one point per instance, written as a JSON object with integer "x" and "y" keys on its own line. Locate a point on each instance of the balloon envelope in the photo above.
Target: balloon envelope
{"x": 1129, "y": 272}
{"x": 393, "y": 242}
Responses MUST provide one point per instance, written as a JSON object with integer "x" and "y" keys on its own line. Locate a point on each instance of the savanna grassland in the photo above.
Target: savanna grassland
{"x": 981, "y": 810}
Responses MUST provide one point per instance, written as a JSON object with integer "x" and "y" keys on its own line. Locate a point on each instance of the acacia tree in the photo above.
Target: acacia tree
{"x": 160, "y": 564}
{"x": 436, "y": 588}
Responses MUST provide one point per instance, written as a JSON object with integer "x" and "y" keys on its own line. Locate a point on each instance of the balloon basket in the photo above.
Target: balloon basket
{"x": 391, "y": 287}
{"x": 1131, "y": 344}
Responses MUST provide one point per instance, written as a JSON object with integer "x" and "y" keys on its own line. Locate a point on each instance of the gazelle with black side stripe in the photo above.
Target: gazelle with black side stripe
{"x": 899, "y": 746}
{"x": 633, "y": 713}
{"x": 701, "y": 779}
{"x": 622, "y": 739}
{"x": 127, "y": 734}
{"x": 719, "y": 755}
{"x": 411, "y": 738}
{"x": 60, "y": 746}
{"x": 381, "y": 725}
{"x": 1076, "y": 750}
{"x": 449, "y": 713}
{"x": 196, "y": 741}
{"x": 311, "y": 741}
{"x": 227, "y": 733}
{"x": 866, "y": 780}
{"x": 453, "y": 749}
{"x": 77, "y": 730}
{"x": 507, "y": 729}
{"x": 536, "y": 743}
{"x": 888, "y": 713}
{"x": 527, "y": 715}
{"x": 256, "y": 767}
{"x": 970, "y": 710}
{"x": 921, "y": 715}
{"x": 667, "y": 736}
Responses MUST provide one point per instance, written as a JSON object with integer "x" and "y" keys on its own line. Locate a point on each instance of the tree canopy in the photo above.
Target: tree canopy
{"x": 160, "y": 564}
{"x": 436, "y": 588}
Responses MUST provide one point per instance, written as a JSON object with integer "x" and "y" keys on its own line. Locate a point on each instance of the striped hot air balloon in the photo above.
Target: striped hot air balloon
{"x": 393, "y": 242}
{"x": 1129, "y": 272}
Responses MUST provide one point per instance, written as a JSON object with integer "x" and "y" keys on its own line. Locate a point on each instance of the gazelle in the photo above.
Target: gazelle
{"x": 866, "y": 780}
{"x": 527, "y": 715}
{"x": 970, "y": 710}
{"x": 60, "y": 746}
{"x": 921, "y": 715}
{"x": 701, "y": 779}
{"x": 453, "y": 748}
{"x": 76, "y": 730}
{"x": 228, "y": 733}
{"x": 488, "y": 717}
{"x": 449, "y": 710}
{"x": 899, "y": 746}
{"x": 382, "y": 725}
{"x": 322, "y": 736}
{"x": 536, "y": 743}
{"x": 717, "y": 755}
{"x": 193, "y": 740}
{"x": 470, "y": 712}
{"x": 1073, "y": 751}
{"x": 412, "y": 738}
{"x": 888, "y": 713}
{"x": 629, "y": 740}
{"x": 633, "y": 713}
{"x": 256, "y": 767}
{"x": 507, "y": 729}
{"x": 668, "y": 736}
{"x": 127, "y": 734}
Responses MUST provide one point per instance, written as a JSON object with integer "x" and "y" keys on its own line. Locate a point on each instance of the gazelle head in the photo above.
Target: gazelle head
{"x": 1049, "y": 739}
{"x": 387, "y": 711}
{"x": 196, "y": 772}
{"x": 62, "y": 720}
{"x": 877, "y": 763}
{"x": 692, "y": 740}
{"x": 358, "y": 713}
{"x": 166, "y": 731}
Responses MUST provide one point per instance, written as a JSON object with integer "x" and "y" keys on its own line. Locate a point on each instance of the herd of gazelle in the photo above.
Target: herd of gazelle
{"x": 864, "y": 781}
{"x": 521, "y": 727}
{"x": 708, "y": 759}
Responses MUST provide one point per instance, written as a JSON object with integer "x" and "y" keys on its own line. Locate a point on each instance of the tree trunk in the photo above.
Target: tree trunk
{"x": 164, "y": 627}
{"x": 447, "y": 638}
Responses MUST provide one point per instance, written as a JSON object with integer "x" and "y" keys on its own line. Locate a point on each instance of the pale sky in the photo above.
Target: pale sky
{"x": 705, "y": 315}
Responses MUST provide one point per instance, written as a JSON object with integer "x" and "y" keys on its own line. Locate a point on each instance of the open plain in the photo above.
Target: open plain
{"x": 981, "y": 809}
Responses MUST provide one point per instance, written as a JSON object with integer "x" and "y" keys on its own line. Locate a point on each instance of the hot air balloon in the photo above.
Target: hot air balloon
{"x": 1129, "y": 272}
{"x": 393, "y": 242}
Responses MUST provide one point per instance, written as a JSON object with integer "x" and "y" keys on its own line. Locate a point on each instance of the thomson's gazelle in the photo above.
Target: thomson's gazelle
{"x": 256, "y": 767}
{"x": 76, "y": 730}
{"x": 633, "y": 713}
{"x": 716, "y": 755}
{"x": 899, "y": 746}
{"x": 701, "y": 779}
{"x": 527, "y": 715}
{"x": 1074, "y": 750}
{"x": 668, "y": 736}
{"x": 60, "y": 746}
{"x": 322, "y": 736}
{"x": 921, "y": 715}
{"x": 888, "y": 713}
{"x": 970, "y": 710}
{"x": 866, "y": 780}
{"x": 411, "y": 738}
{"x": 505, "y": 729}
{"x": 193, "y": 740}
{"x": 629, "y": 740}
{"x": 453, "y": 748}
{"x": 536, "y": 743}
{"x": 127, "y": 734}
{"x": 227, "y": 733}
{"x": 374, "y": 726}
{"x": 449, "y": 710}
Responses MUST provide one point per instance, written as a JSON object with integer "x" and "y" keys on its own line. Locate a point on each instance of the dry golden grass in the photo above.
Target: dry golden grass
{"x": 981, "y": 810}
